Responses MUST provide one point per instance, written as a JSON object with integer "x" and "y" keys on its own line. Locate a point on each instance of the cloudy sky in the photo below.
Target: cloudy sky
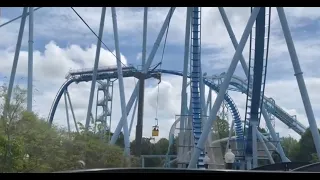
{"x": 63, "y": 42}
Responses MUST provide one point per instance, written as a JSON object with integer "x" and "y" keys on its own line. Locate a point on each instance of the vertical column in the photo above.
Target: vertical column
{"x": 298, "y": 73}
{"x": 195, "y": 79}
{"x": 15, "y": 59}
{"x": 223, "y": 88}
{"x": 257, "y": 74}
{"x": 95, "y": 67}
{"x": 30, "y": 62}
{"x": 121, "y": 85}
{"x": 184, "y": 99}
{"x": 146, "y": 67}
{"x": 139, "y": 127}
{"x": 245, "y": 69}
{"x": 67, "y": 112}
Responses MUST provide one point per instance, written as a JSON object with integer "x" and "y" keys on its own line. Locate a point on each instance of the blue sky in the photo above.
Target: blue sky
{"x": 62, "y": 41}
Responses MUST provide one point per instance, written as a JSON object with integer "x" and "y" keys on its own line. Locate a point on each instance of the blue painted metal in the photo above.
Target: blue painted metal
{"x": 255, "y": 79}
{"x": 16, "y": 55}
{"x": 275, "y": 110}
{"x": 30, "y": 62}
{"x": 133, "y": 115}
{"x": 237, "y": 119}
{"x": 223, "y": 88}
{"x": 258, "y": 66}
{"x": 106, "y": 104}
{"x": 195, "y": 79}
{"x": 300, "y": 80}
{"x": 95, "y": 67}
{"x": 145, "y": 69}
{"x": 129, "y": 72}
{"x": 232, "y": 107}
{"x": 299, "y": 127}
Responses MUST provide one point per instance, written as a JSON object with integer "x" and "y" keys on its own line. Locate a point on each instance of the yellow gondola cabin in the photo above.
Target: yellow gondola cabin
{"x": 155, "y": 131}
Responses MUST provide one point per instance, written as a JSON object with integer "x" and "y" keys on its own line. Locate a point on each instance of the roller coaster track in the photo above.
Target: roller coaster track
{"x": 241, "y": 85}
{"x": 236, "y": 82}
{"x": 195, "y": 79}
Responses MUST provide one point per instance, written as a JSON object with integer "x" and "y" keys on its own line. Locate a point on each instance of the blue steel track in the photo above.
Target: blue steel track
{"x": 238, "y": 83}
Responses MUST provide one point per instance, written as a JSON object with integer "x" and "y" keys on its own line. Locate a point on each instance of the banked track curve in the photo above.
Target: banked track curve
{"x": 236, "y": 82}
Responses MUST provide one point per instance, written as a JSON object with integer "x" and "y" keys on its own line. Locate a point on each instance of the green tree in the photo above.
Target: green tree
{"x": 290, "y": 147}
{"x": 29, "y": 144}
{"x": 220, "y": 128}
{"x": 307, "y": 148}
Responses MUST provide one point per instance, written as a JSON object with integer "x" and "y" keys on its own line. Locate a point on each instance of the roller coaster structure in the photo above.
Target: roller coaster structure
{"x": 247, "y": 133}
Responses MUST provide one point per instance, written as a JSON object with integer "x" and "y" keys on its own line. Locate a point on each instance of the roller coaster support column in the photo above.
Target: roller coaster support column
{"x": 223, "y": 89}
{"x": 229, "y": 136}
{"x": 299, "y": 76}
{"x": 188, "y": 124}
{"x": 67, "y": 111}
{"x": 139, "y": 127}
{"x": 144, "y": 39}
{"x": 184, "y": 97}
{"x": 133, "y": 115}
{"x": 257, "y": 94}
{"x": 265, "y": 147}
{"x": 208, "y": 103}
{"x": 16, "y": 58}
{"x": 30, "y": 61}
{"x": 245, "y": 69}
{"x": 95, "y": 67}
{"x": 274, "y": 135}
{"x": 254, "y": 125}
{"x": 121, "y": 85}
{"x": 145, "y": 69}
{"x": 16, "y": 18}
{"x": 72, "y": 112}
{"x": 202, "y": 96}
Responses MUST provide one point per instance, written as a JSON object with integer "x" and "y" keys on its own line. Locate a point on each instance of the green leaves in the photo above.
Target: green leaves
{"x": 303, "y": 150}
{"x": 28, "y": 144}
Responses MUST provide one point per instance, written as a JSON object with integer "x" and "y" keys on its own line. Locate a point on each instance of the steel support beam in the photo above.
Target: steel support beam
{"x": 15, "y": 59}
{"x": 223, "y": 88}
{"x": 139, "y": 126}
{"x": 256, "y": 87}
{"x": 299, "y": 76}
{"x": 246, "y": 70}
{"x": 30, "y": 62}
{"x": 133, "y": 115}
{"x": 67, "y": 112}
{"x": 72, "y": 112}
{"x": 121, "y": 84}
{"x": 184, "y": 97}
{"x": 95, "y": 67}
{"x": 145, "y": 69}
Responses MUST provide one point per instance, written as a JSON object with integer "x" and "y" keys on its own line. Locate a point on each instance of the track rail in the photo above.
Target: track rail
{"x": 237, "y": 82}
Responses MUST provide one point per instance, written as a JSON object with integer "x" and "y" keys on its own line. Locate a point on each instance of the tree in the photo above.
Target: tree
{"x": 290, "y": 147}
{"x": 306, "y": 149}
{"x": 302, "y": 150}
{"x": 29, "y": 144}
{"x": 220, "y": 128}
